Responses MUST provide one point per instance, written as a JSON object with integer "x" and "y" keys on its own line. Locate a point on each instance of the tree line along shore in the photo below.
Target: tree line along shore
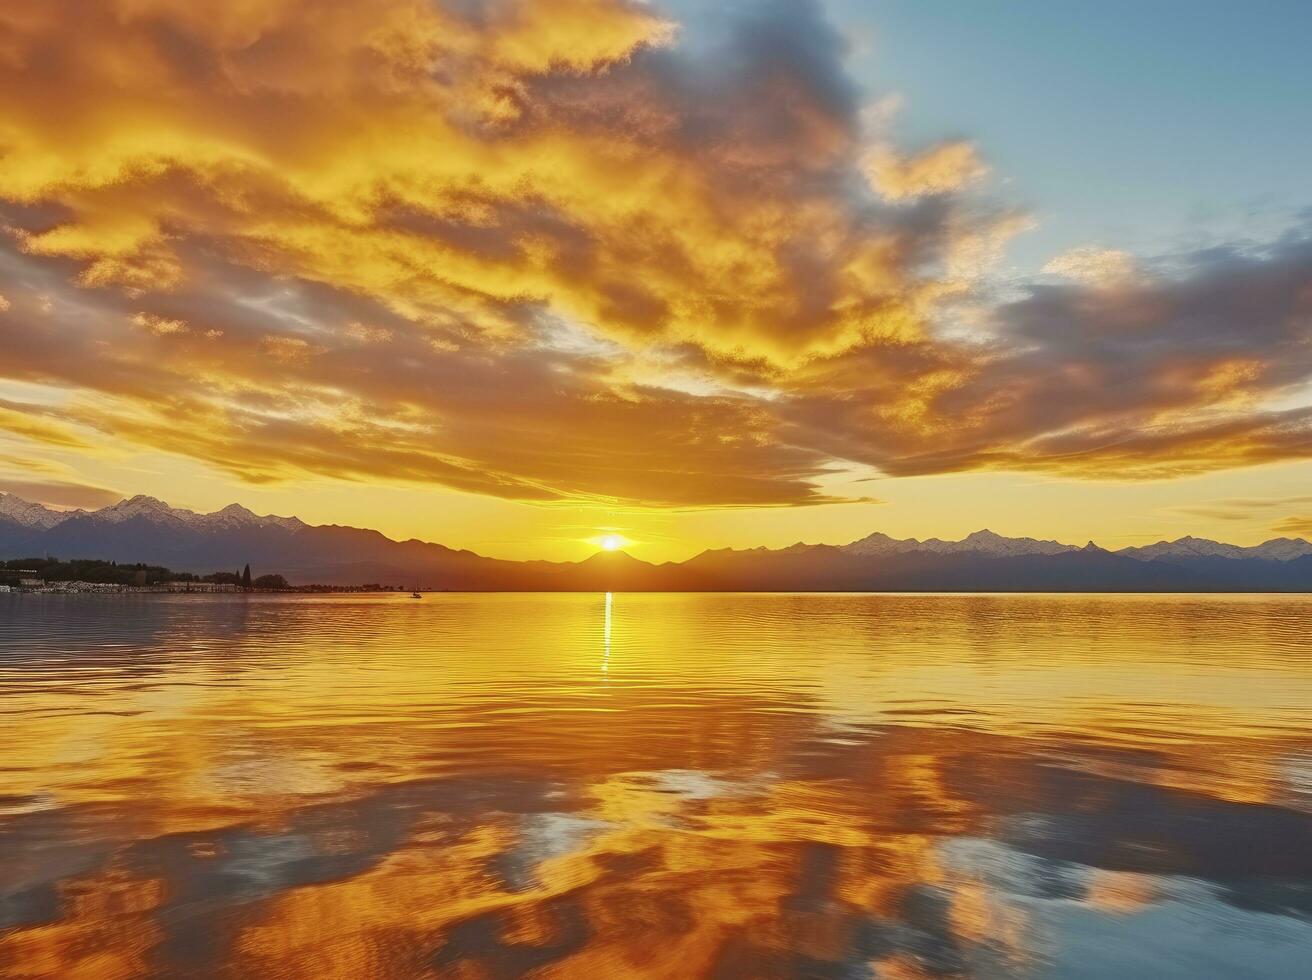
{"x": 94, "y": 575}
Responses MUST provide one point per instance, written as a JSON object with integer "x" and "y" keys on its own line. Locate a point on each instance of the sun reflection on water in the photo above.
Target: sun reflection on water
{"x": 605, "y": 660}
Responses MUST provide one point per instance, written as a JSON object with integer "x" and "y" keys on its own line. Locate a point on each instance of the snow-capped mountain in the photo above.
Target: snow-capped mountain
{"x": 25, "y": 514}
{"x": 235, "y": 515}
{"x": 987, "y": 543}
{"x": 983, "y": 542}
{"x": 1283, "y": 549}
{"x": 141, "y": 507}
{"x": 1277, "y": 549}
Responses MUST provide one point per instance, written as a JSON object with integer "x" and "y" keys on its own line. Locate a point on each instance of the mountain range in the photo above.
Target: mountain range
{"x": 143, "y": 529}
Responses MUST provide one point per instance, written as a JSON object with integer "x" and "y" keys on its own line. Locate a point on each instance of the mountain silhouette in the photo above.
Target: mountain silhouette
{"x": 144, "y": 529}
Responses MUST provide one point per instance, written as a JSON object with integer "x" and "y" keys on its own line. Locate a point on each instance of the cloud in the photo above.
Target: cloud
{"x": 941, "y": 169}
{"x": 1177, "y": 374}
{"x": 1094, "y": 266}
{"x": 533, "y": 423}
{"x": 366, "y": 334}
{"x": 158, "y": 325}
{"x": 461, "y": 163}
{"x": 59, "y": 494}
{"x": 37, "y": 424}
{"x": 1243, "y": 508}
{"x": 1297, "y": 526}
{"x": 572, "y": 249}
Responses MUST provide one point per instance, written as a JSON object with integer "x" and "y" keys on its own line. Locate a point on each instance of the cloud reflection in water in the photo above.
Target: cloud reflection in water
{"x": 771, "y": 786}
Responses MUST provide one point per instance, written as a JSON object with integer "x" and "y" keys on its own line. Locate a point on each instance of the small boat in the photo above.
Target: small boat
{"x": 415, "y": 595}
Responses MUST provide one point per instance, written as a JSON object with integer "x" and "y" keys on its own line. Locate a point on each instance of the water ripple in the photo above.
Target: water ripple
{"x": 655, "y": 785}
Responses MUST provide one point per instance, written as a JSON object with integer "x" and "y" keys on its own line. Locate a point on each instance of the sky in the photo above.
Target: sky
{"x": 514, "y": 275}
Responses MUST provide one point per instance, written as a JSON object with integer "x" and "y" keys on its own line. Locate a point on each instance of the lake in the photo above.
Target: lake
{"x": 490, "y": 786}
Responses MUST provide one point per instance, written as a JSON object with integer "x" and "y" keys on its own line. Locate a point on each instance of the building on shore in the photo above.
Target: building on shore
{"x": 194, "y": 587}
{"x": 82, "y": 587}
{"x": 62, "y": 588}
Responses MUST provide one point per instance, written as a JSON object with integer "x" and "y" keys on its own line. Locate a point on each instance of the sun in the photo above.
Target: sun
{"x": 609, "y": 540}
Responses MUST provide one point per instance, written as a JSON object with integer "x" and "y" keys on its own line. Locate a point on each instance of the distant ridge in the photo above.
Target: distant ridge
{"x": 145, "y": 529}
{"x": 984, "y": 542}
{"x": 1277, "y": 549}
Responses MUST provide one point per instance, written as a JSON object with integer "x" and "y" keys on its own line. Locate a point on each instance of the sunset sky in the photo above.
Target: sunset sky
{"x": 514, "y": 275}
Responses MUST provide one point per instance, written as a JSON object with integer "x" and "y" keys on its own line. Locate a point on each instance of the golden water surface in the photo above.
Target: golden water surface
{"x": 655, "y": 786}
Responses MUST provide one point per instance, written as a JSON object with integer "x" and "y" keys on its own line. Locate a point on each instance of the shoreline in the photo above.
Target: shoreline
{"x": 927, "y": 593}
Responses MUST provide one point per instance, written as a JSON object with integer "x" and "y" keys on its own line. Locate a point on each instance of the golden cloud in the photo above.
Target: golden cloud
{"x": 456, "y": 166}
{"x": 57, "y": 493}
{"x": 27, "y": 422}
{"x": 553, "y": 249}
{"x": 1093, "y": 265}
{"x": 941, "y": 169}
{"x": 1298, "y": 526}
{"x": 158, "y": 325}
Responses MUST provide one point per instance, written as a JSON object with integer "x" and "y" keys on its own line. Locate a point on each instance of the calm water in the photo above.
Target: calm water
{"x": 655, "y": 786}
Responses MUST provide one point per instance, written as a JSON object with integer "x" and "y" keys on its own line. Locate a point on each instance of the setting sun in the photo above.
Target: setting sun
{"x": 611, "y": 542}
